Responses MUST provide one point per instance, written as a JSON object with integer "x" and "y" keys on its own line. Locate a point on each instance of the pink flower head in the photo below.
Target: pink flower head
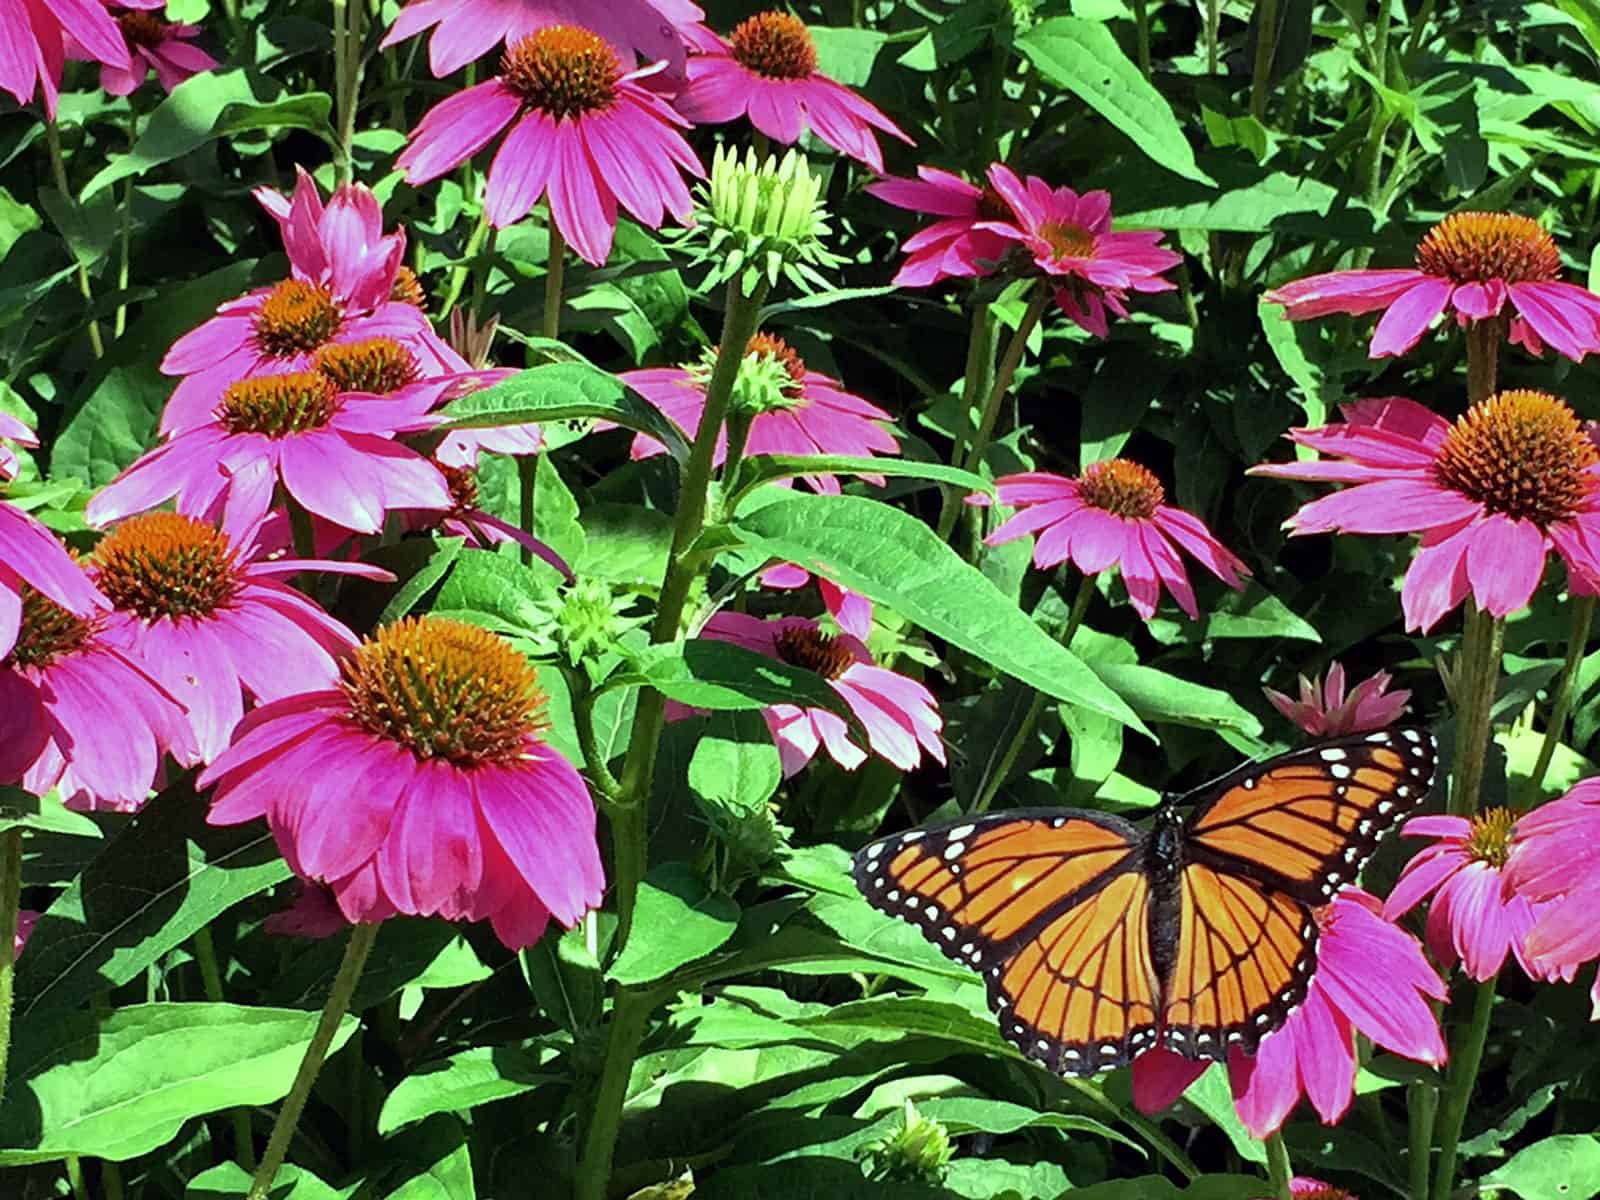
{"x": 13, "y": 430}
{"x": 1490, "y": 495}
{"x": 1475, "y": 263}
{"x": 1114, "y": 514}
{"x": 464, "y": 30}
{"x": 30, "y": 557}
{"x": 795, "y": 410}
{"x": 1072, "y": 243}
{"x": 582, "y": 132}
{"x": 334, "y": 453}
{"x": 79, "y": 715}
{"x": 767, "y": 71}
{"x": 1324, "y": 710}
{"x": 33, "y": 36}
{"x": 956, "y": 246}
{"x": 1474, "y": 915}
{"x": 421, "y": 785}
{"x": 851, "y": 611}
{"x": 152, "y": 44}
{"x": 1555, "y": 864}
{"x": 899, "y": 715}
{"x": 346, "y": 285}
{"x": 1371, "y": 976}
{"x": 1302, "y": 1187}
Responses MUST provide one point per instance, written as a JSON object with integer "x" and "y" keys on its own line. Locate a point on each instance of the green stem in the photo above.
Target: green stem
{"x": 10, "y": 903}
{"x": 974, "y": 383}
{"x": 628, "y": 1017}
{"x": 1141, "y": 28}
{"x": 1279, "y": 1172}
{"x": 1422, "y": 1106}
{"x": 1464, "y": 1062}
{"x": 1577, "y": 643}
{"x": 458, "y": 276}
{"x": 1140, "y": 1124}
{"x": 75, "y": 1178}
{"x": 111, "y": 1180}
{"x": 344, "y": 987}
{"x": 302, "y": 531}
{"x": 1477, "y": 674}
{"x": 1266, "y": 50}
{"x": 1002, "y": 378}
{"x": 205, "y": 954}
{"x": 125, "y": 240}
{"x": 58, "y": 169}
{"x": 1483, "y": 354}
{"x": 1213, "y": 28}
{"x": 347, "y": 81}
{"x": 583, "y": 716}
{"x": 553, "y": 278}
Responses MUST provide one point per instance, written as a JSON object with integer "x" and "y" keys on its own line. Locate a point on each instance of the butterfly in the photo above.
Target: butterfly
{"x": 1098, "y": 939}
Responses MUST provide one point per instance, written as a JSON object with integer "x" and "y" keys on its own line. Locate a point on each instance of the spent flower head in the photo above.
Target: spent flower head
{"x": 764, "y": 216}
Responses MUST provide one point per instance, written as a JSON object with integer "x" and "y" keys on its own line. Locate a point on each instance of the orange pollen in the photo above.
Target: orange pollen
{"x": 1490, "y": 838}
{"x": 562, "y": 71}
{"x": 1521, "y": 453}
{"x": 296, "y": 318}
{"x": 793, "y": 365}
{"x": 48, "y": 631}
{"x": 407, "y": 289}
{"x": 278, "y": 405}
{"x": 775, "y": 45}
{"x": 140, "y": 28}
{"x": 378, "y": 365}
{"x": 1475, "y": 247}
{"x": 162, "y": 564}
{"x": 1067, "y": 240}
{"x": 445, "y": 689}
{"x": 1122, "y": 488}
{"x": 463, "y": 485}
{"x": 808, "y": 648}
{"x": 1325, "y": 1192}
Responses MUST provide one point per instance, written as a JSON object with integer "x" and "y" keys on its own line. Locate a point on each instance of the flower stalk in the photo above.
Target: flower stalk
{"x": 975, "y": 382}
{"x": 1483, "y": 359}
{"x": 205, "y": 956}
{"x": 1464, "y": 1063}
{"x": 1004, "y": 375}
{"x": 58, "y": 169}
{"x": 1555, "y": 729}
{"x": 1279, "y": 1171}
{"x": 1422, "y": 1107}
{"x": 1478, "y": 671}
{"x": 10, "y": 905}
{"x": 1266, "y": 51}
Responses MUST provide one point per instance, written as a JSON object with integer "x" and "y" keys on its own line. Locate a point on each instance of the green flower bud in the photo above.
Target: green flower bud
{"x": 918, "y": 1152}
{"x": 765, "y": 217}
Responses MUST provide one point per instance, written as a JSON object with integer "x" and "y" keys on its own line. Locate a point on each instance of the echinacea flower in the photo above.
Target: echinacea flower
{"x": 77, "y": 714}
{"x": 30, "y": 557}
{"x": 422, "y": 784}
{"x": 1090, "y": 268}
{"x": 465, "y": 519}
{"x": 957, "y": 245}
{"x": 461, "y": 447}
{"x": 33, "y": 37}
{"x": 767, "y": 71}
{"x": 1302, "y": 1187}
{"x": 851, "y": 611}
{"x": 1474, "y": 915}
{"x": 152, "y": 44}
{"x": 791, "y": 408}
{"x": 1554, "y": 862}
{"x": 1490, "y": 495}
{"x": 582, "y": 132}
{"x": 333, "y": 452}
{"x": 899, "y": 715}
{"x": 346, "y": 285}
{"x": 1475, "y": 263}
{"x": 1114, "y": 514}
{"x": 13, "y": 430}
{"x": 1371, "y": 977}
{"x": 1324, "y": 710}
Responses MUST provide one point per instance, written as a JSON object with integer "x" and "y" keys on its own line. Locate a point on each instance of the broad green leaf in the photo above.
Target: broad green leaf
{"x": 408, "y": 951}
{"x": 420, "y": 582}
{"x": 121, "y": 1087}
{"x": 735, "y": 765}
{"x": 1252, "y": 613}
{"x": 555, "y": 512}
{"x": 625, "y": 544}
{"x": 706, "y": 673}
{"x": 1212, "y": 1095}
{"x": 1084, "y": 58}
{"x": 230, "y": 1181}
{"x": 461, "y": 1082}
{"x": 24, "y": 810}
{"x": 1522, "y": 746}
{"x": 893, "y": 558}
{"x": 1157, "y": 696}
{"x": 1288, "y": 340}
{"x": 1564, "y": 1167}
{"x": 437, "y": 1163}
{"x": 677, "y": 920}
{"x": 764, "y": 468}
{"x": 500, "y": 586}
{"x": 847, "y": 54}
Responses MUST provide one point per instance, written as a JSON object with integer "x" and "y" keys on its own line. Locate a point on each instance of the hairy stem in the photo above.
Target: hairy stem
{"x": 1555, "y": 729}
{"x": 1012, "y": 359}
{"x": 1266, "y": 51}
{"x": 1479, "y": 671}
{"x": 974, "y": 383}
{"x": 1464, "y": 1062}
{"x": 1422, "y": 1106}
{"x": 10, "y": 903}
{"x": 1483, "y": 358}
{"x": 628, "y": 1017}
{"x": 58, "y": 169}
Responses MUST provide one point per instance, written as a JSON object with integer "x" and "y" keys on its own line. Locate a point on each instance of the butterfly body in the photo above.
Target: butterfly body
{"x": 1098, "y": 939}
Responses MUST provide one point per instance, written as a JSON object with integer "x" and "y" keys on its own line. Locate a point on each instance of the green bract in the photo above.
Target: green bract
{"x": 762, "y": 215}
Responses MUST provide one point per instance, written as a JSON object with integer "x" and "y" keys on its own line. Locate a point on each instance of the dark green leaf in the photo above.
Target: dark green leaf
{"x": 461, "y": 1082}
{"x": 24, "y": 810}
{"x": 764, "y": 468}
{"x": 705, "y": 673}
{"x": 678, "y": 922}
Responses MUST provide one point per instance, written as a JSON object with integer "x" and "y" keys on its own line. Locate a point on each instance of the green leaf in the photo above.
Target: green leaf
{"x": 564, "y": 391}
{"x": 500, "y": 585}
{"x": 1288, "y": 341}
{"x": 213, "y": 105}
{"x": 461, "y": 1082}
{"x": 679, "y": 921}
{"x": 1084, "y": 58}
{"x": 735, "y": 765}
{"x": 420, "y": 583}
{"x": 845, "y": 53}
{"x": 1252, "y": 613}
{"x": 24, "y": 810}
{"x": 894, "y": 559}
{"x": 764, "y": 468}
{"x": 438, "y": 1158}
{"x": 1564, "y": 1167}
{"x": 1212, "y": 1095}
{"x": 230, "y": 1181}
{"x": 705, "y": 673}
{"x": 1161, "y": 697}
{"x": 121, "y": 1087}
{"x": 555, "y": 512}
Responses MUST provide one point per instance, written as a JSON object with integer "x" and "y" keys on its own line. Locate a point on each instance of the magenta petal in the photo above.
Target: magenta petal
{"x": 1436, "y": 582}
{"x": 1505, "y": 560}
{"x": 1161, "y": 1076}
{"x": 1409, "y": 316}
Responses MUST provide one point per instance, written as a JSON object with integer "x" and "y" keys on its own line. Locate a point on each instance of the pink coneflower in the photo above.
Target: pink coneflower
{"x": 1324, "y": 710}
{"x": 806, "y": 413}
{"x": 422, "y": 785}
{"x": 958, "y": 245}
{"x": 899, "y": 715}
{"x": 851, "y": 611}
{"x": 767, "y": 71}
{"x": 1114, "y": 514}
{"x": 1554, "y": 863}
{"x": 212, "y": 624}
{"x": 1070, "y": 238}
{"x": 333, "y": 452}
{"x": 13, "y": 430}
{"x": 347, "y": 285}
{"x": 582, "y": 132}
{"x": 1371, "y": 976}
{"x": 78, "y": 714}
{"x": 152, "y": 43}
{"x": 1302, "y": 1187}
{"x": 464, "y": 30}
{"x": 1474, "y": 915}
{"x": 1490, "y": 495}
{"x": 1475, "y": 263}
{"x": 30, "y": 557}
{"x": 33, "y": 44}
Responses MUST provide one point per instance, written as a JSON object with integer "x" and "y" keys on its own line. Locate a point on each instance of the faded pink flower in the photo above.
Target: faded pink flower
{"x": 33, "y": 36}
{"x": 956, "y": 246}
{"x": 1491, "y": 495}
{"x": 1114, "y": 514}
{"x": 1476, "y": 263}
{"x": 1371, "y": 976}
{"x": 1070, "y": 237}
{"x": 1555, "y": 864}
{"x": 31, "y": 557}
{"x": 582, "y": 133}
{"x": 421, "y": 785}
{"x": 1324, "y": 710}
{"x": 13, "y": 430}
{"x": 152, "y": 44}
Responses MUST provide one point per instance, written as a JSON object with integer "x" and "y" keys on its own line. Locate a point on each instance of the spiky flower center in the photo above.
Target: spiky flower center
{"x": 296, "y": 318}
{"x": 445, "y": 689}
{"x": 164, "y": 564}
{"x": 1067, "y": 240}
{"x": 1521, "y": 453}
{"x": 1122, "y": 488}
{"x": 1322, "y": 1192}
{"x": 141, "y": 28}
{"x": 784, "y": 356}
{"x": 408, "y": 289}
{"x": 776, "y": 45}
{"x": 1489, "y": 839}
{"x": 278, "y": 405}
{"x": 562, "y": 71}
{"x": 463, "y": 485}
{"x": 1475, "y": 247}
{"x": 48, "y": 631}
{"x": 810, "y": 648}
{"x": 379, "y": 365}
